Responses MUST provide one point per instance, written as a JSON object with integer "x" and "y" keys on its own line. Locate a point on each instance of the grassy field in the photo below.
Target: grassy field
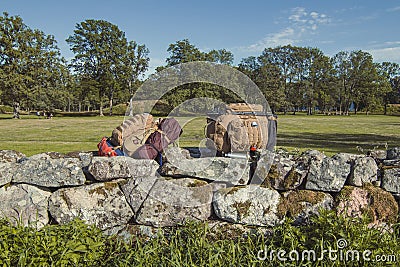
{"x": 330, "y": 134}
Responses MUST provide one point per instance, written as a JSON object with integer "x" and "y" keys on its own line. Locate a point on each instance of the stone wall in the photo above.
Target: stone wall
{"x": 119, "y": 192}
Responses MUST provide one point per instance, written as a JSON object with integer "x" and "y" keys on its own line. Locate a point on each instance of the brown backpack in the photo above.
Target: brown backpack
{"x": 133, "y": 132}
{"x": 243, "y": 125}
{"x": 247, "y": 131}
{"x": 167, "y": 133}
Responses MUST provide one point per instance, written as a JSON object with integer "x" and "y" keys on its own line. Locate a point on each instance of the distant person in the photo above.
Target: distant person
{"x": 16, "y": 110}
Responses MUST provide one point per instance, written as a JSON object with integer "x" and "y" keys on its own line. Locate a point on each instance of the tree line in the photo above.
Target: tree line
{"x": 107, "y": 69}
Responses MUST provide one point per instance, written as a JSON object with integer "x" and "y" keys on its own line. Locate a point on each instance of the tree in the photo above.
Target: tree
{"x": 103, "y": 54}
{"x": 31, "y": 68}
{"x": 221, "y": 56}
{"x": 356, "y": 75}
{"x": 182, "y": 52}
{"x": 320, "y": 71}
{"x": 267, "y": 77}
{"x": 390, "y": 72}
{"x": 137, "y": 63}
{"x": 249, "y": 66}
{"x": 282, "y": 58}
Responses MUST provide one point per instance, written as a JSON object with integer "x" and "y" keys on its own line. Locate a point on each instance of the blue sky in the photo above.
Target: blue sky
{"x": 243, "y": 27}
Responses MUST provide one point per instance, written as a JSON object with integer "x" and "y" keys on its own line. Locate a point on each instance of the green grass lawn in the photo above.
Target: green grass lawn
{"x": 333, "y": 134}
{"x": 330, "y": 134}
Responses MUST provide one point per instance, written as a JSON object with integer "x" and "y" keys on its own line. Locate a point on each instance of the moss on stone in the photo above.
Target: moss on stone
{"x": 97, "y": 190}
{"x": 197, "y": 183}
{"x": 292, "y": 204}
{"x": 242, "y": 208}
{"x": 345, "y": 193}
{"x": 273, "y": 172}
{"x": 110, "y": 186}
{"x": 291, "y": 179}
{"x": 7, "y": 185}
{"x": 65, "y": 197}
{"x": 272, "y": 175}
{"x": 383, "y": 206}
{"x": 266, "y": 184}
{"x": 102, "y": 190}
{"x": 231, "y": 190}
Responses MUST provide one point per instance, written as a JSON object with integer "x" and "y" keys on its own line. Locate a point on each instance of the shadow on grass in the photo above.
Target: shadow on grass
{"x": 338, "y": 142}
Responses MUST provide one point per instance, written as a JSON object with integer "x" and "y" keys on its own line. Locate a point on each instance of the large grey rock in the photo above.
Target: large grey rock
{"x": 300, "y": 205}
{"x": 86, "y": 158}
{"x": 286, "y": 173}
{"x": 174, "y": 201}
{"x": 393, "y": 153}
{"x": 392, "y": 163}
{"x": 311, "y": 155}
{"x": 233, "y": 171}
{"x": 101, "y": 204}
{"x": 391, "y": 180}
{"x": 107, "y": 169}
{"x": 365, "y": 170}
{"x": 329, "y": 174}
{"x": 175, "y": 154}
{"x": 42, "y": 170}
{"x": 7, "y": 170}
{"x": 47, "y": 156}
{"x": 137, "y": 189}
{"x": 378, "y": 155}
{"x": 10, "y": 156}
{"x": 252, "y": 205}
{"x": 24, "y": 204}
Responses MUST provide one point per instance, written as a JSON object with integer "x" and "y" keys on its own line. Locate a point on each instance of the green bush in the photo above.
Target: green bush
{"x": 195, "y": 244}
{"x": 119, "y": 110}
{"x": 393, "y": 109}
{"x": 5, "y": 109}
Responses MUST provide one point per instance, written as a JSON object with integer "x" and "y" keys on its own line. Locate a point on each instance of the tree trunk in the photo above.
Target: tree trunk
{"x": 111, "y": 106}
{"x": 111, "y": 98}
{"x": 101, "y": 108}
{"x": 131, "y": 107}
{"x": 101, "y": 105}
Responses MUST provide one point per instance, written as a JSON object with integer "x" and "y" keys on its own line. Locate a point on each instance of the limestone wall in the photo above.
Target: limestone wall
{"x": 115, "y": 193}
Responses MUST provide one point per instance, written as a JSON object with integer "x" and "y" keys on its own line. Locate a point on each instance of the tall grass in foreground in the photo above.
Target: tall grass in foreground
{"x": 195, "y": 244}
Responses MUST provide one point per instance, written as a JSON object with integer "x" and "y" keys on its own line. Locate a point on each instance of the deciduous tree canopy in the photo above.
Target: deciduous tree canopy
{"x": 107, "y": 68}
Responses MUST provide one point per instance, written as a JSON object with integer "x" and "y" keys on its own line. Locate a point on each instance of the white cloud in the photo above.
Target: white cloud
{"x": 302, "y": 18}
{"x": 390, "y": 54}
{"x": 299, "y": 15}
{"x": 394, "y": 9}
{"x": 301, "y": 23}
{"x": 286, "y": 36}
